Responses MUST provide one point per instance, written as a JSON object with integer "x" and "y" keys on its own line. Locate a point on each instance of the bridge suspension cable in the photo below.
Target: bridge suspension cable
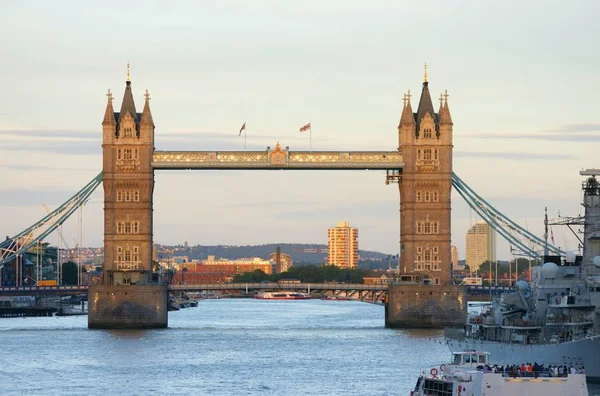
{"x": 530, "y": 244}
{"x": 23, "y": 241}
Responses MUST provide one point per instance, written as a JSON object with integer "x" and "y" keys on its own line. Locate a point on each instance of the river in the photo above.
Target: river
{"x": 222, "y": 347}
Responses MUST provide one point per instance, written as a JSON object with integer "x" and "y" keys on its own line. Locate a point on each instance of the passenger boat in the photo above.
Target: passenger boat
{"x": 335, "y": 298}
{"x": 470, "y": 374}
{"x": 282, "y": 296}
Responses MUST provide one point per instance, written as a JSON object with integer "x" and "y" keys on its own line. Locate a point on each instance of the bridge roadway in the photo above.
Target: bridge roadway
{"x": 350, "y": 290}
{"x": 354, "y": 291}
{"x": 347, "y": 290}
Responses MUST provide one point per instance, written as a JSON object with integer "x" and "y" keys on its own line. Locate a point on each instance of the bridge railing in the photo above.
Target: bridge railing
{"x": 278, "y": 286}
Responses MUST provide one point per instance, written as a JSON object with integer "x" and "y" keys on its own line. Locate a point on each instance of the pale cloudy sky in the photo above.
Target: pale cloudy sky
{"x": 522, "y": 77}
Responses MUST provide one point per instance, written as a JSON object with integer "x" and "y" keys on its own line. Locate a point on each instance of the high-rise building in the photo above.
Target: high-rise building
{"x": 481, "y": 245}
{"x": 343, "y": 246}
{"x": 454, "y": 252}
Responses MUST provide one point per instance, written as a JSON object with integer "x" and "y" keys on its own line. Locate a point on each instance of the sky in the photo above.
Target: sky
{"x": 522, "y": 78}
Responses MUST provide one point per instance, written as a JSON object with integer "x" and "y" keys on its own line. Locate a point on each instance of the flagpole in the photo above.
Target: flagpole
{"x": 244, "y": 137}
{"x": 310, "y": 135}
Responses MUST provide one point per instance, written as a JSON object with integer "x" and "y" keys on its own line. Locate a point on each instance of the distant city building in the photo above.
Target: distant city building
{"x": 232, "y": 267}
{"x": 180, "y": 259}
{"x": 481, "y": 245}
{"x": 283, "y": 262}
{"x": 185, "y": 244}
{"x": 377, "y": 278}
{"x": 343, "y": 246}
{"x": 454, "y": 254}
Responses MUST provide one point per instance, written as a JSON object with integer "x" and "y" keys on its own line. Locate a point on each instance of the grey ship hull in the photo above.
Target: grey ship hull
{"x": 585, "y": 351}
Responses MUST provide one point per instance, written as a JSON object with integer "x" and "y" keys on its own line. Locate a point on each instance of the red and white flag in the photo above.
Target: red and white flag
{"x": 243, "y": 128}
{"x": 305, "y": 128}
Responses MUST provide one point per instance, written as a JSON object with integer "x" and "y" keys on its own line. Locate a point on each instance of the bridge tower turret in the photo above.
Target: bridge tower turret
{"x": 425, "y": 140}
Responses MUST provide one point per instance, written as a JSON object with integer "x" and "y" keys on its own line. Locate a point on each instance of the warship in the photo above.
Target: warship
{"x": 555, "y": 318}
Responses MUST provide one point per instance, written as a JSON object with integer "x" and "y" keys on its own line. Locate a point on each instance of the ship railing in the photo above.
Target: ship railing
{"x": 532, "y": 374}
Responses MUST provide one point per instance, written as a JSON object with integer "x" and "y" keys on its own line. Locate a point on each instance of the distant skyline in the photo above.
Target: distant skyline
{"x": 522, "y": 80}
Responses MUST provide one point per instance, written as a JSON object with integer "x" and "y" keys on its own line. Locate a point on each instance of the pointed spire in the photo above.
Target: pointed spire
{"x": 425, "y": 104}
{"x": 424, "y": 74}
{"x": 128, "y": 106}
{"x": 109, "y": 114}
{"x": 407, "y": 117}
{"x": 146, "y": 113}
{"x": 445, "y": 117}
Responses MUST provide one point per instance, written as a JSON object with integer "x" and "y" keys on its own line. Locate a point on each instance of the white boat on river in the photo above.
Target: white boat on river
{"x": 470, "y": 374}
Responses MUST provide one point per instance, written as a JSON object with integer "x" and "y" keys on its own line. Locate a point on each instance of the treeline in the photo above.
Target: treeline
{"x": 309, "y": 273}
{"x": 520, "y": 266}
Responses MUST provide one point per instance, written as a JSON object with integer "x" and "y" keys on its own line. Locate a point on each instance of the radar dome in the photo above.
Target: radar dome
{"x": 570, "y": 257}
{"x": 523, "y": 286}
{"x": 549, "y": 270}
{"x": 597, "y": 261}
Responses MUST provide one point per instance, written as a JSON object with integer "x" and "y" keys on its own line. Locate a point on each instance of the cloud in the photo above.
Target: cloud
{"x": 565, "y": 133}
{"x": 579, "y": 128}
{"x": 59, "y": 147}
{"x": 45, "y": 134}
{"x": 518, "y": 156}
{"x": 25, "y": 167}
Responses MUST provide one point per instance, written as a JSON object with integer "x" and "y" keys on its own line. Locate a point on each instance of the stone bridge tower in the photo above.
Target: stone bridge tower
{"x": 127, "y": 145}
{"x": 128, "y": 297}
{"x": 425, "y": 140}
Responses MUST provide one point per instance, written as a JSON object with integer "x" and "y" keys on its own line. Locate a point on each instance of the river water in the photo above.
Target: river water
{"x": 222, "y": 347}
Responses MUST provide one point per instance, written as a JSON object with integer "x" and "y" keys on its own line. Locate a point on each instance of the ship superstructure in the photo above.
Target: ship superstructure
{"x": 555, "y": 319}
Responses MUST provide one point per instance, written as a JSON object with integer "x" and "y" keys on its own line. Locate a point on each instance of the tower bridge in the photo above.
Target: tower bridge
{"x": 421, "y": 165}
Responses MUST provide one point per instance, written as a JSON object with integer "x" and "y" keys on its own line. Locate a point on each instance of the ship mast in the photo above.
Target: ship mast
{"x": 545, "y": 231}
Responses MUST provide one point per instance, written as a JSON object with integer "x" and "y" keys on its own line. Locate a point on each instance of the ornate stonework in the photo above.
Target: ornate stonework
{"x": 278, "y": 158}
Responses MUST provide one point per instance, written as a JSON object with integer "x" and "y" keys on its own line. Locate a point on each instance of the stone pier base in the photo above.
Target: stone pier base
{"x": 127, "y": 306}
{"x": 426, "y": 306}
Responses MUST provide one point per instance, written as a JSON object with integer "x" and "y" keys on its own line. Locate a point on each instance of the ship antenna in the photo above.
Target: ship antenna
{"x": 546, "y": 231}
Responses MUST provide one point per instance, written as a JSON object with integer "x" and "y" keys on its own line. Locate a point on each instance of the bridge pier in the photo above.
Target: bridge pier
{"x": 127, "y": 306}
{"x": 425, "y": 306}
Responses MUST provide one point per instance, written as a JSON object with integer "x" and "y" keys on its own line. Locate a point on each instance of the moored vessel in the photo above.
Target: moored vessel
{"x": 282, "y": 296}
{"x": 556, "y": 317}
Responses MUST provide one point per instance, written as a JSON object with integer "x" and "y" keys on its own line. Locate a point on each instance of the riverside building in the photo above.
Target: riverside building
{"x": 343, "y": 246}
